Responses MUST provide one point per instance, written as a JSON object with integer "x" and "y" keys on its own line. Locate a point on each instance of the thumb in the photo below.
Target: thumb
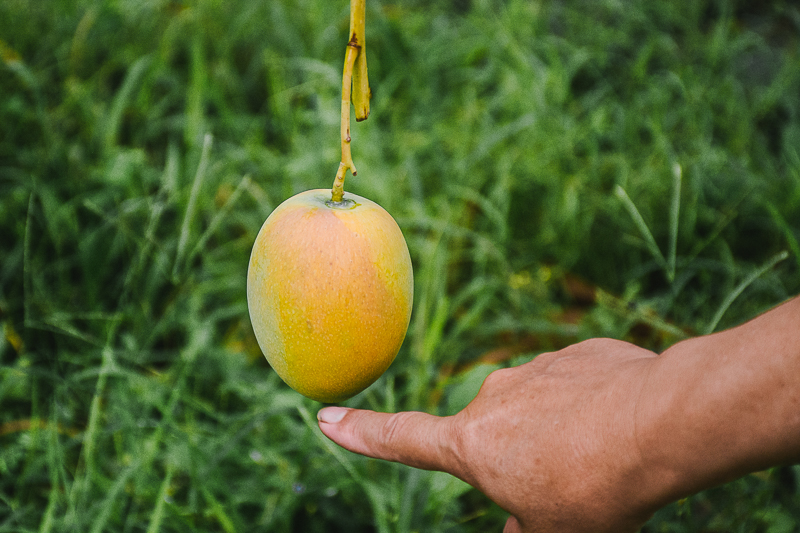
{"x": 412, "y": 438}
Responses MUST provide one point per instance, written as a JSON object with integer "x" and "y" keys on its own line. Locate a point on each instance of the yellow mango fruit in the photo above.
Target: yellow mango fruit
{"x": 330, "y": 289}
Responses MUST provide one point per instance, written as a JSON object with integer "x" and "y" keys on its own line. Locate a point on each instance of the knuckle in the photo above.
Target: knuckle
{"x": 586, "y": 346}
{"x": 497, "y": 377}
{"x": 458, "y": 439}
{"x": 461, "y": 435}
{"x": 423, "y": 441}
{"x": 396, "y": 426}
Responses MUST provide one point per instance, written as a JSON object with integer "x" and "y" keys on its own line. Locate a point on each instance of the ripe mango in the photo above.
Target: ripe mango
{"x": 330, "y": 289}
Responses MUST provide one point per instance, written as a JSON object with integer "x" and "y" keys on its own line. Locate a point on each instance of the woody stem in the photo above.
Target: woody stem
{"x": 347, "y": 157}
{"x": 355, "y": 83}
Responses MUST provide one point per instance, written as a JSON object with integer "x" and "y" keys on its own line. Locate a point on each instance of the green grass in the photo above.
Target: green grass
{"x": 649, "y": 149}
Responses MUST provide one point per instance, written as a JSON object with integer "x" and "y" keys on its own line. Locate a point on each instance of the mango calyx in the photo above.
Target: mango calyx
{"x": 345, "y": 203}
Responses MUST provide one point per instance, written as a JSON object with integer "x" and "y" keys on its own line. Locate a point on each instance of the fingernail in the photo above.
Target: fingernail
{"x": 331, "y": 415}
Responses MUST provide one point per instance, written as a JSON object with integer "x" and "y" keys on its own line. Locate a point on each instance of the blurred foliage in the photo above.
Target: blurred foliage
{"x": 561, "y": 170}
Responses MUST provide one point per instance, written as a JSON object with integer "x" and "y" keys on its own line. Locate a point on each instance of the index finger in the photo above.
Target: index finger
{"x": 412, "y": 438}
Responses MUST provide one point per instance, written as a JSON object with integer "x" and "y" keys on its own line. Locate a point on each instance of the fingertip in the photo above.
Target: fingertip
{"x": 331, "y": 415}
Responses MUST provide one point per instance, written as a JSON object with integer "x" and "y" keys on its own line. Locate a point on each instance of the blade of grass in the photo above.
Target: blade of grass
{"x": 261, "y": 197}
{"x": 722, "y": 222}
{"x": 171, "y": 169}
{"x": 107, "y": 505}
{"x": 429, "y": 290}
{"x": 84, "y": 477}
{"x": 674, "y": 218}
{"x": 641, "y": 225}
{"x": 57, "y": 473}
{"x": 219, "y": 217}
{"x": 407, "y": 505}
{"x": 194, "y": 113}
{"x": 46, "y": 525}
{"x": 328, "y": 445}
{"x": 158, "y": 512}
{"x": 435, "y": 330}
{"x": 47, "y": 519}
{"x": 123, "y": 96}
{"x": 641, "y": 313}
{"x": 726, "y": 303}
{"x": 218, "y": 511}
{"x": 27, "y": 271}
{"x": 191, "y": 205}
{"x": 727, "y": 216}
{"x": 788, "y": 231}
{"x": 12, "y": 61}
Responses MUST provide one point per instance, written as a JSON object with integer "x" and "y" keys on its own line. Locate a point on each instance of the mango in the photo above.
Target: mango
{"x": 330, "y": 289}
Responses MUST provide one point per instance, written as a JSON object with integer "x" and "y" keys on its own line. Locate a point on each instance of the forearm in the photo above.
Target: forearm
{"x": 720, "y": 406}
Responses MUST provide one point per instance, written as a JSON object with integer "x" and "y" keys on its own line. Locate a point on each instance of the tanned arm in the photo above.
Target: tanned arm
{"x": 723, "y": 405}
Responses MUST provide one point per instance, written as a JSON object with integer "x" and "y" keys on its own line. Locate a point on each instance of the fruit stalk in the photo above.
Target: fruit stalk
{"x": 361, "y": 92}
{"x": 355, "y": 82}
{"x": 347, "y": 157}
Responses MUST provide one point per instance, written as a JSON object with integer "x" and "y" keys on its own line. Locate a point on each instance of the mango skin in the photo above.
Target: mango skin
{"x": 330, "y": 292}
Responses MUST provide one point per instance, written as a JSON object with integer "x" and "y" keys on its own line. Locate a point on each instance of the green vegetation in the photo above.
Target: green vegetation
{"x": 561, "y": 170}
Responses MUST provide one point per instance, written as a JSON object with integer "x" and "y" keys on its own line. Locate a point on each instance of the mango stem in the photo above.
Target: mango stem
{"x": 355, "y": 58}
{"x": 361, "y": 92}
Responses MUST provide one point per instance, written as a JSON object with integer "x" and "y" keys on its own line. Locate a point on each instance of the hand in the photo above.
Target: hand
{"x": 553, "y": 441}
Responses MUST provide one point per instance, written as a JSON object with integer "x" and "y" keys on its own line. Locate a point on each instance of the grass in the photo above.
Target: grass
{"x": 561, "y": 170}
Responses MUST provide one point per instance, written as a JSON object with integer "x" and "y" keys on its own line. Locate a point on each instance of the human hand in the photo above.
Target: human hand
{"x": 553, "y": 441}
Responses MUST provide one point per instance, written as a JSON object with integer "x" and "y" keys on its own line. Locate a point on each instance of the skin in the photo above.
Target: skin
{"x": 600, "y": 435}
